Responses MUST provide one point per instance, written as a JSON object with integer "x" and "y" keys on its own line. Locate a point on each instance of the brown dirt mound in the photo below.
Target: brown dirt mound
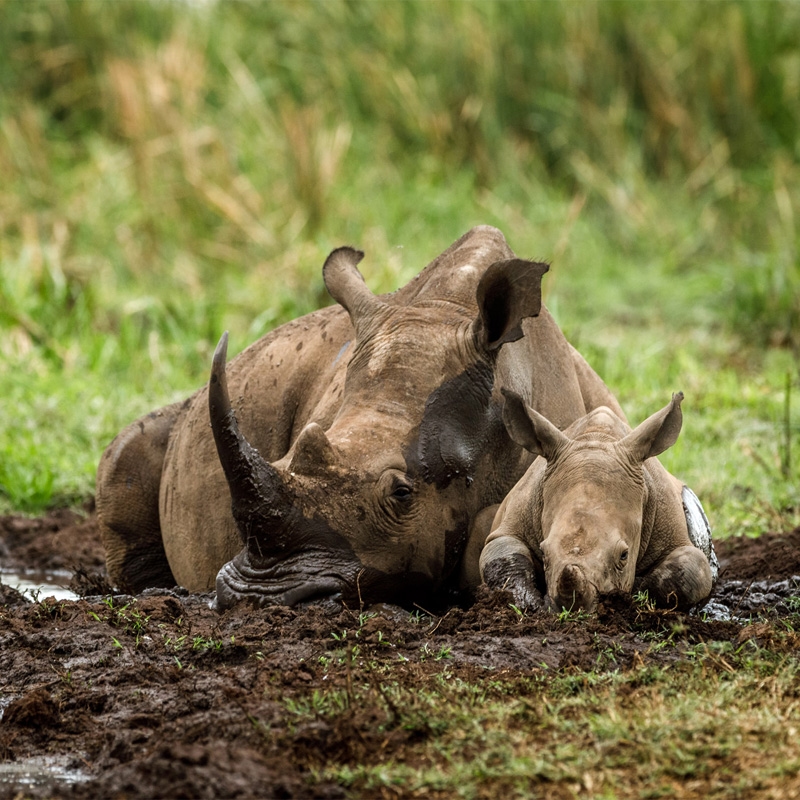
{"x": 770, "y": 557}
{"x": 62, "y": 540}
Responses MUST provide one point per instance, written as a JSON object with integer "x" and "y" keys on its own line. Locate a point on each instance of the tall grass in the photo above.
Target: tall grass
{"x": 173, "y": 169}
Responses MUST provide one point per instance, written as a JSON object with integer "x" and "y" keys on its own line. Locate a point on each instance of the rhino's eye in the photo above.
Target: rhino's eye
{"x": 396, "y": 488}
{"x": 623, "y": 558}
{"x": 402, "y": 492}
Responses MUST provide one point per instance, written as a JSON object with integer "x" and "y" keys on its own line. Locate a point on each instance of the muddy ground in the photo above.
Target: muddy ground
{"x": 159, "y": 696}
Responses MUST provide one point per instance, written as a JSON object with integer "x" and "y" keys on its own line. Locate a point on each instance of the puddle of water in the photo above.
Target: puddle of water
{"x": 40, "y": 584}
{"x": 40, "y": 771}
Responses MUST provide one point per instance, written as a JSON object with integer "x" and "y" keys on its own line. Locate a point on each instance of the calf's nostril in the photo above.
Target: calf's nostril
{"x": 573, "y": 591}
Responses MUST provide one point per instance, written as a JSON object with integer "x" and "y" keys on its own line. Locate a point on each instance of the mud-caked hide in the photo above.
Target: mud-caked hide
{"x": 377, "y": 506}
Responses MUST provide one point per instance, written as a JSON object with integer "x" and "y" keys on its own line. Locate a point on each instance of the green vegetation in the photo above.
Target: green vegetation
{"x": 713, "y": 719}
{"x": 599, "y": 735}
{"x": 171, "y": 170}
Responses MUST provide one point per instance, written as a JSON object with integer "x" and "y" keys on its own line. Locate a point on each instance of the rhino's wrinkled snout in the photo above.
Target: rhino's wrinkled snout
{"x": 573, "y": 591}
{"x": 305, "y": 578}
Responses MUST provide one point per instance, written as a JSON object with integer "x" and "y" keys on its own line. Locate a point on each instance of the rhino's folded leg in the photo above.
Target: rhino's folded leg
{"x": 128, "y": 482}
{"x": 681, "y": 580}
{"x": 507, "y": 565}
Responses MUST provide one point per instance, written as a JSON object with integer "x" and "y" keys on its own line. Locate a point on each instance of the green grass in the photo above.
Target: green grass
{"x": 171, "y": 171}
{"x": 621, "y": 734}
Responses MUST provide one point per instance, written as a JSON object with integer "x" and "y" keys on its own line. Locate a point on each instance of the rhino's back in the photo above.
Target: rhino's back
{"x": 453, "y": 276}
{"x": 540, "y": 369}
{"x": 291, "y": 376}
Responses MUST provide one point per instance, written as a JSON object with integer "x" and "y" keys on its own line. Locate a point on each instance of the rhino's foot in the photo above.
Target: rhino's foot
{"x": 682, "y": 580}
{"x": 514, "y": 573}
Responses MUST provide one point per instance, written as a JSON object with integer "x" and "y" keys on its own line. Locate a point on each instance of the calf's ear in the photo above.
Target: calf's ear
{"x": 656, "y": 433}
{"x": 529, "y": 429}
{"x": 508, "y": 292}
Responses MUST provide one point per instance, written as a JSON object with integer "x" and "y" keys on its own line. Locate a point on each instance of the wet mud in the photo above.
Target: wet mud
{"x": 160, "y": 696}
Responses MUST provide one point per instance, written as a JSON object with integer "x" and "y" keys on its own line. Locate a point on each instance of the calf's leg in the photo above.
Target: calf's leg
{"x": 506, "y": 564}
{"x": 681, "y": 580}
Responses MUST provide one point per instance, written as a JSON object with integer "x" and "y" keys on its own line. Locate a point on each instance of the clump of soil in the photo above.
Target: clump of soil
{"x": 772, "y": 557}
{"x": 63, "y": 540}
{"x": 160, "y": 696}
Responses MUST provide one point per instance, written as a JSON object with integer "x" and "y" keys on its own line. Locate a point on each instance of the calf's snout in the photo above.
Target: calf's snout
{"x": 573, "y": 591}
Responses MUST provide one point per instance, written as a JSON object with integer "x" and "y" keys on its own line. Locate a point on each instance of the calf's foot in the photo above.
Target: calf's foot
{"x": 508, "y": 566}
{"x": 681, "y": 580}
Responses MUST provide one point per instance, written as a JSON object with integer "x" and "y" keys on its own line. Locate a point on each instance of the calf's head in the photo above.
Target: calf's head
{"x": 589, "y": 499}
{"x": 377, "y": 507}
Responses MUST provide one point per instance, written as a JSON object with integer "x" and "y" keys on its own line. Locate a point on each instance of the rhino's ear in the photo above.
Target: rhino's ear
{"x": 529, "y": 429}
{"x": 346, "y": 284}
{"x": 508, "y": 292}
{"x": 656, "y": 433}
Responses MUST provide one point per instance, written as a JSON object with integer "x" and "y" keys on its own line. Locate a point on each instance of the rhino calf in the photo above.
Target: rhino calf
{"x": 598, "y": 515}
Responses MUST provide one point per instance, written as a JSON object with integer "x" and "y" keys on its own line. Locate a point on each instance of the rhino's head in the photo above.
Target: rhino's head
{"x": 377, "y": 507}
{"x": 589, "y": 500}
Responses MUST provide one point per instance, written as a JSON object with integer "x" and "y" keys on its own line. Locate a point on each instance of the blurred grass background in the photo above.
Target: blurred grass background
{"x": 173, "y": 169}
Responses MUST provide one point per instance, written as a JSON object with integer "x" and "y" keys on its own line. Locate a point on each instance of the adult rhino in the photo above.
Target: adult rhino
{"x": 366, "y": 439}
{"x": 597, "y": 515}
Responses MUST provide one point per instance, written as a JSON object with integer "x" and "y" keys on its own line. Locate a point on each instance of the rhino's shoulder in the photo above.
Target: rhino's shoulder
{"x": 330, "y": 324}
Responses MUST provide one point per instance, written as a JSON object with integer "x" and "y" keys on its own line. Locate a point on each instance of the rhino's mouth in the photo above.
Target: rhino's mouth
{"x": 285, "y": 582}
{"x": 317, "y": 576}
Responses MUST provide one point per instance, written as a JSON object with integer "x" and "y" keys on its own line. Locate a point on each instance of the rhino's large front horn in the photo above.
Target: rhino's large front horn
{"x": 260, "y": 501}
